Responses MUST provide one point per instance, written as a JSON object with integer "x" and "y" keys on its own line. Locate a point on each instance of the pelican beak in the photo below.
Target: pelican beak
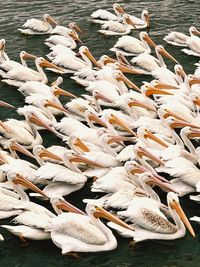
{"x": 118, "y": 139}
{"x": 102, "y": 213}
{"x": 160, "y": 85}
{"x": 6, "y": 105}
{"x": 176, "y": 206}
{"x": 81, "y": 145}
{"x": 5, "y": 127}
{"x": 14, "y": 145}
{"x": 45, "y": 153}
{"x": 130, "y": 22}
{"x": 54, "y": 105}
{"x": 51, "y": 20}
{"x": 93, "y": 117}
{"x": 180, "y": 124}
{"x": 120, "y": 9}
{"x": 65, "y": 205}
{"x": 125, "y": 69}
{"x": 170, "y": 113}
{"x": 155, "y": 181}
{"x": 194, "y": 133}
{"x": 102, "y": 97}
{"x": 142, "y": 152}
{"x": 149, "y": 135}
{"x": 115, "y": 120}
{"x": 57, "y": 91}
{"x": 2, "y": 44}
{"x": 29, "y": 56}
{"x": 22, "y": 181}
{"x": 47, "y": 64}
{"x": 33, "y": 118}
{"x": 141, "y": 105}
{"x": 196, "y": 32}
{"x": 166, "y": 54}
{"x": 75, "y": 37}
{"x": 123, "y": 78}
{"x": 3, "y": 160}
{"x": 149, "y": 40}
{"x": 108, "y": 60}
{"x": 90, "y": 56}
{"x": 155, "y": 91}
{"x": 147, "y": 17}
{"x": 82, "y": 159}
{"x": 194, "y": 81}
{"x": 121, "y": 59}
{"x": 197, "y": 101}
{"x": 78, "y": 29}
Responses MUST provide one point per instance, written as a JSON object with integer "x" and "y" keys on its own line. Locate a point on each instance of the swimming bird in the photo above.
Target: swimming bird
{"x": 151, "y": 223}
{"x": 101, "y": 15}
{"x": 179, "y": 38}
{"x": 36, "y": 26}
{"x": 74, "y": 232}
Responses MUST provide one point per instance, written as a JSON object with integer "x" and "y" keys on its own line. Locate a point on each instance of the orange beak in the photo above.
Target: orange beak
{"x": 22, "y": 181}
{"x": 115, "y": 120}
{"x": 65, "y": 205}
{"x": 101, "y": 212}
{"x": 176, "y": 206}
{"x": 6, "y": 105}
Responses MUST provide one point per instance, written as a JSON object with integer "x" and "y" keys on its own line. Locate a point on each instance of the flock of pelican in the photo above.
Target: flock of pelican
{"x": 118, "y": 137}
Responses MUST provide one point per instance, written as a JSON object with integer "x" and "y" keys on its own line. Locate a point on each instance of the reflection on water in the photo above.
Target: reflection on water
{"x": 167, "y": 15}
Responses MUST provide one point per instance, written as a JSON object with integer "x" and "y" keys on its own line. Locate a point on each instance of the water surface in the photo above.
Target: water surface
{"x": 166, "y": 16}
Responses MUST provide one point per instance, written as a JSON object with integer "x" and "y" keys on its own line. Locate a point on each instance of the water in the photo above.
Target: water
{"x": 174, "y": 15}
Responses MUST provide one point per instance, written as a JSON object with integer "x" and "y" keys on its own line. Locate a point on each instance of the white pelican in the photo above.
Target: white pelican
{"x": 68, "y": 41}
{"x": 101, "y": 15}
{"x": 131, "y": 46}
{"x": 64, "y": 31}
{"x": 60, "y": 180}
{"x": 74, "y": 232}
{"x": 180, "y": 39}
{"x": 142, "y": 23}
{"x": 151, "y": 223}
{"x": 24, "y": 132}
{"x": 72, "y": 63}
{"x": 116, "y": 28}
{"x": 16, "y": 76}
{"x": 193, "y": 43}
{"x": 35, "y": 26}
{"x": 154, "y": 65}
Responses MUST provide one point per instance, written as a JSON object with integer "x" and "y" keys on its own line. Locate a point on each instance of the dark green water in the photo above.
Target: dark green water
{"x": 166, "y": 15}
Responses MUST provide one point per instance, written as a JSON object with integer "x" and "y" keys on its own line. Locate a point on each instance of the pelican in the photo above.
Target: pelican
{"x": 151, "y": 223}
{"x": 16, "y": 76}
{"x": 68, "y": 41}
{"x": 72, "y": 63}
{"x": 3, "y": 54}
{"x": 154, "y": 65}
{"x": 131, "y": 46}
{"x": 64, "y": 31}
{"x": 117, "y": 28}
{"x": 24, "y": 132}
{"x": 60, "y": 180}
{"x": 35, "y": 26}
{"x": 74, "y": 232}
{"x": 180, "y": 39}
{"x": 193, "y": 43}
{"x": 100, "y": 15}
{"x": 142, "y": 23}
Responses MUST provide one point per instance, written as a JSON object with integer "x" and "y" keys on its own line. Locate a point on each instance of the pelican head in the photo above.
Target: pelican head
{"x": 84, "y": 50}
{"x": 73, "y": 26}
{"x": 193, "y": 31}
{"x": 161, "y": 50}
{"x": 49, "y": 19}
{"x": 118, "y": 9}
{"x": 145, "y": 36}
